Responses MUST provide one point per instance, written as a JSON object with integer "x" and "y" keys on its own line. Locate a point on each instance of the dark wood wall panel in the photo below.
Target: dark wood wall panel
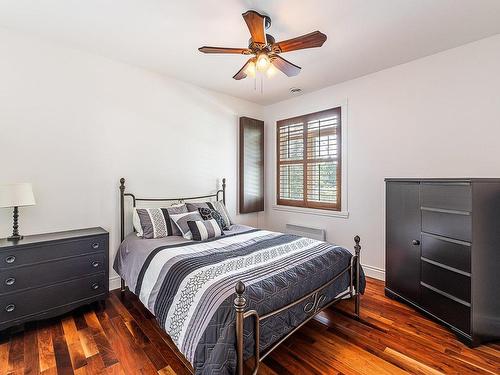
{"x": 251, "y": 181}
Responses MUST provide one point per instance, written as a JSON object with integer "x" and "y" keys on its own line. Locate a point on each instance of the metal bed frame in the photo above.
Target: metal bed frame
{"x": 314, "y": 299}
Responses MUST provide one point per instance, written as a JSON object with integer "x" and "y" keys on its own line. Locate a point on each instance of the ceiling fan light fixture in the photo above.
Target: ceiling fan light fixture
{"x": 271, "y": 71}
{"x": 250, "y": 69}
{"x": 263, "y": 62}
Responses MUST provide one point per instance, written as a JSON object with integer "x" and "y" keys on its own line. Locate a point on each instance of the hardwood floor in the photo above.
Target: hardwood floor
{"x": 123, "y": 338}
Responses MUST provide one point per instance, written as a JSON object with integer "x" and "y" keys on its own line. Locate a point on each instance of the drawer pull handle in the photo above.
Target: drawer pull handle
{"x": 95, "y": 286}
{"x": 415, "y": 242}
{"x": 95, "y": 245}
{"x": 10, "y": 281}
{"x": 95, "y": 264}
{"x": 10, "y": 259}
{"x": 10, "y": 308}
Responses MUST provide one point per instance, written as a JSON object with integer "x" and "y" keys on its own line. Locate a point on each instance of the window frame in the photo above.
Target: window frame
{"x": 336, "y": 207}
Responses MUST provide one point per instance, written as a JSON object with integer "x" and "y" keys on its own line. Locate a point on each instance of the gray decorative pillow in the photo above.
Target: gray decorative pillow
{"x": 157, "y": 222}
{"x": 205, "y": 229}
{"x": 209, "y": 214}
{"x": 217, "y": 206}
{"x": 181, "y": 220}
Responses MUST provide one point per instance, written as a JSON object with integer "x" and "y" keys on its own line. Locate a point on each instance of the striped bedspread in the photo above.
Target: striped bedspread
{"x": 189, "y": 287}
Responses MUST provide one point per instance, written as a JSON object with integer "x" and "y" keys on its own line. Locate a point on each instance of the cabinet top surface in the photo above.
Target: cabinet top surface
{"x": 446, "y": 179}
{"x": 55, "y": 236}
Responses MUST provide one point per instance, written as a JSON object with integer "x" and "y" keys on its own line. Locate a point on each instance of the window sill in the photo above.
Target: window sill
{"x": 312, "y": 211}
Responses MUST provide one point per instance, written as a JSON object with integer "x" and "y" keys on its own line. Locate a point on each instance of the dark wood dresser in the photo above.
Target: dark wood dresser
{"x": 49, "y": 274}
{"x": 443, "y": 252}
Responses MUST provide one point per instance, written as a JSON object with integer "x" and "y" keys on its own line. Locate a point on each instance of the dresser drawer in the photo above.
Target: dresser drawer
{"x": 449, "y": 253}
{"x": 450, "y": 311}
{"x": 448, "y": 281}
{"x": 19, "y": 278}
{"x": 37, "y": 301}
{"x": 447, "y": 224}
{"x": 447, "y": 195}
{"x": 40, "y": 253}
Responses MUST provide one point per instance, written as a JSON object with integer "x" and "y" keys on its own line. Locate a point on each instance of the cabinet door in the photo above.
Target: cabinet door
{"x": 403, "y": 239}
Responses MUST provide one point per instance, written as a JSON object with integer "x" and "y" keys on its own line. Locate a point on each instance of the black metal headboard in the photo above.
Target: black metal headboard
{"x": 135, "y": 200}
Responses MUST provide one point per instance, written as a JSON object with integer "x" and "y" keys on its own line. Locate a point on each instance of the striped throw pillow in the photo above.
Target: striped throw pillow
{"x": 205, "y": 229}
{"x": 217, "y": 206}
{"x": 181, "y": 220}
{"x": 209, "y": 214}
{"x": 157, "y": 222}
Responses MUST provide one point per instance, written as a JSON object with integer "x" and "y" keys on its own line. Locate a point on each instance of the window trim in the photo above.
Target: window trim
{"x": 344, "y": 209}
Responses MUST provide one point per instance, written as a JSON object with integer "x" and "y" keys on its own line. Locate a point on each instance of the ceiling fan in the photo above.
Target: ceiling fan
{"x": 265, "y": 50}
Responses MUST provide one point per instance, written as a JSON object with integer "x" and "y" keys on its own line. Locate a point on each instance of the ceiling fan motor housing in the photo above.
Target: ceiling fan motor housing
{"x": 270, "y": 41}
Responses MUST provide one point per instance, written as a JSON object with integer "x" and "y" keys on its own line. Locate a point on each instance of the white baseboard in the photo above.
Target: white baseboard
{"x": 114, "y": 282}
{"x": 375, "y": 272}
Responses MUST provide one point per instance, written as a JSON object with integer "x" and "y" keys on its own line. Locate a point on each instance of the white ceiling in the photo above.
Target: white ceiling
{"x": 163, "y": 35}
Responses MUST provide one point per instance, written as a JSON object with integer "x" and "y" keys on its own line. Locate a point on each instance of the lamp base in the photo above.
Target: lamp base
{"x": 15, "y": 238}
{"x": 15, "y": 227}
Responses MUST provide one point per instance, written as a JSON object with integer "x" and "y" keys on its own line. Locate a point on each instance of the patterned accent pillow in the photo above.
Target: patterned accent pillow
{"x": 205, "y": 229}
{"x": 217, "y": 206}
{"x": 157, "y": 223}
{"x": 209, "y": 214}
{"x": 181, "y": 220}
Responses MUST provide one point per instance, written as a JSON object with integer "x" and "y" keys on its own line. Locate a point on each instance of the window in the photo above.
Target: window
{"x": 309, "y": 160}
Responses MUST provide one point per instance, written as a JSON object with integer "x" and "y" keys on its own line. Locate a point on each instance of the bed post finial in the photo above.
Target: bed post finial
{"x": 357, "y": 247}
{"x": 224, "y": 190}
{"x": 357, "y": 250}
{"x": 240, "y": 288}
{"x": 239, "y": 305}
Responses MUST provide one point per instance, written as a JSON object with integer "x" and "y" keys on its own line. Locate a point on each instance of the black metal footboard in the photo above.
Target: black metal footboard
{"x": 312, "y": 307}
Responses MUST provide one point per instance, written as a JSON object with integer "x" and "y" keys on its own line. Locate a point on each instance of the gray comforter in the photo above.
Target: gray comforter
{"x": 189, "y": 287}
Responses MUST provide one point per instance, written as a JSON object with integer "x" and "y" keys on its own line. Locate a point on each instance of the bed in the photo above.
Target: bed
{"x": 227, "y": 302}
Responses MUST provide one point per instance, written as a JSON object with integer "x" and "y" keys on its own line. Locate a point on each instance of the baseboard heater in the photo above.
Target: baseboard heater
{"x": 314, "y": 233}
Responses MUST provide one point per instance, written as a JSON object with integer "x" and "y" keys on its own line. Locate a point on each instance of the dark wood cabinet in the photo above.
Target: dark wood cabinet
{"x": 443, "y": 251}
{"x": 42, "y": 276}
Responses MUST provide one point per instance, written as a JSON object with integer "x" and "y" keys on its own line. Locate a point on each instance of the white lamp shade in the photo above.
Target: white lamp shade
{"x": 16, "y": 195}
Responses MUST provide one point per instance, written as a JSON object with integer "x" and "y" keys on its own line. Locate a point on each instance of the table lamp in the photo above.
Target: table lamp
{"x": 16, "y": 195}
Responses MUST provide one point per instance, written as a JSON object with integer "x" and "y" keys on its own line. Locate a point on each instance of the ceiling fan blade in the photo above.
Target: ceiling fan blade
{"x": 256, "y": 26}
{"x": 311, "y": 40}
{"x": 285, "y": 66}
{"x": 241, "y": 51}
{"x": 241, "y": 73}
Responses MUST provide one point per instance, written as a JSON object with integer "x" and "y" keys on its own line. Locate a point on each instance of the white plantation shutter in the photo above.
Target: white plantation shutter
{"x": 309, "y": 160}
{"x": 291, "y": 156}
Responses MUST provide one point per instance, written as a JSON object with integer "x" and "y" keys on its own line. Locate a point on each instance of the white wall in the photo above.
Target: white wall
{"x": 73, "y": 123}
{"x": 434, "y": 117}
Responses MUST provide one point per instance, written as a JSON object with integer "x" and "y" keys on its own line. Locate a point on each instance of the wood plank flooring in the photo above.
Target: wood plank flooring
{"x": 122, "y": 337}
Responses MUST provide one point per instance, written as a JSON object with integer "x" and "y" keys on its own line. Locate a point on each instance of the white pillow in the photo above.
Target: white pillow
{"x": 137, "y": 223}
